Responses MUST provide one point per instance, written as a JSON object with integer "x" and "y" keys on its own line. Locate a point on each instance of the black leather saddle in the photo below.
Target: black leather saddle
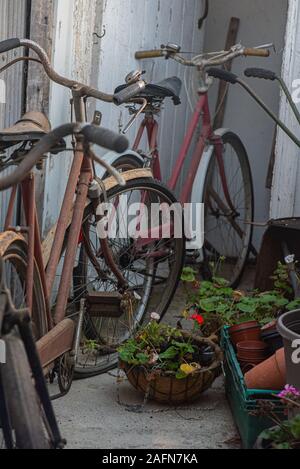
{"x": 168, "y": 88}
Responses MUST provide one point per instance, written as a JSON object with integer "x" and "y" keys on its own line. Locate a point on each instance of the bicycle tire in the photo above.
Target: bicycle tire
{"x": 21, "y": 397}
{"x": 127, "y": 163}
{"x": 215, "y": 207}
{"x": 167, "y": 294}
{"x": 16, "y": 254}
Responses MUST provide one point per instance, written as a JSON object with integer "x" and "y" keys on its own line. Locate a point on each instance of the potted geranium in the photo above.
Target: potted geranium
{"x": 169, "y": 364}
{"x": 244, "y": 312}
{"x": 285, "y": 434}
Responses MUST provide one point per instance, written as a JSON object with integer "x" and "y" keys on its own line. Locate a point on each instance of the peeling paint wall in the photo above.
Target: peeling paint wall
{"x": 12, "y": 24}
{"x": 285, "y": 200}
{"x": 127, "y": 25}
{"x": 130, "y": 25}
{"x": 260, "y": 23}
{"x": 84, "y": 18}
{"x": 72, "y": 57}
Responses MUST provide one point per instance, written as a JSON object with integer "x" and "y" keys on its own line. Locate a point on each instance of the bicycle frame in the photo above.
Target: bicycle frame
{"x": 207, "y": 136}
{"x": 59, "y": 339}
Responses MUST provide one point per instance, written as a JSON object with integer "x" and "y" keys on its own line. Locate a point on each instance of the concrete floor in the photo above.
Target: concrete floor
{"x": 98, "y": 413}
{"x": 91, "y": 417}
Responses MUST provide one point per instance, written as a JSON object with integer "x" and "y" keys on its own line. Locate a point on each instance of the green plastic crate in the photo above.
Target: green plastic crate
{"x": 243, "y": 401}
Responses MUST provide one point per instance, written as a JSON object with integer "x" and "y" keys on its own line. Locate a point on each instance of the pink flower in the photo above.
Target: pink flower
{"x": 289, "y": 392}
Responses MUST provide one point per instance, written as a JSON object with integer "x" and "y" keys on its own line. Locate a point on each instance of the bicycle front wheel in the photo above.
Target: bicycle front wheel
{"x": 151, "y": 268}
{"x": 229, "y": 207}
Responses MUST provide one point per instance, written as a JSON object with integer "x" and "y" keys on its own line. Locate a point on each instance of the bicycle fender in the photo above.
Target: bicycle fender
{"x": 9, "y": 237}
{"x": 197, "y": 194}
{"x": 112, "y": 157}
{"x": 110, "y": 182}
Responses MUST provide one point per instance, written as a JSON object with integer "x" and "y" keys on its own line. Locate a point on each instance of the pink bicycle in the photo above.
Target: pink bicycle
{"x": 219, "y": 175}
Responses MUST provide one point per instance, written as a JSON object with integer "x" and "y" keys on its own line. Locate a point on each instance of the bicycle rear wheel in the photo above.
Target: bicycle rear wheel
{"x": 152, "y": 273}
{"x": 24, "y": 429}
{"x": 228, "y": 226}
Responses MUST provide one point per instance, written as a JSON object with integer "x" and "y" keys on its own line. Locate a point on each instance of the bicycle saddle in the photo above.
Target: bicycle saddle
{"x": 168, "y": 88}
{"x": 31, "y": 127}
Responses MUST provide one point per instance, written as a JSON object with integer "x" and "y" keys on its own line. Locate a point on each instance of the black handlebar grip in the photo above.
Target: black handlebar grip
{"x": 105, "y": 138}
{"x": 9, "y": 44}
{"x": 260, "y": 73}
{"x": 129, "y": 92}
{"x": 222, "y": 75}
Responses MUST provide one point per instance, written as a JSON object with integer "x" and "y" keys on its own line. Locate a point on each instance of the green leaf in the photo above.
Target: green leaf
{"x": 142, "y": 358}
{"x": 222, "y": 308}
{"x": 227, "y": 292}
{"x": 246, "y": 307}
{"x": 295, "y": 427}
{"x": 293, "y": 305}
{"x": 184, "y": 347}
{"x": 180, "y": 374}
{"x": 170, "y": 353}
{"x": 282, "y": 302}
{"x": 209, "y": 304}
{"x": 220, "y": 281}
{"x": 188, "y": 275}
{"x": 267, "y": 298}
{"x": 283, "y": 446}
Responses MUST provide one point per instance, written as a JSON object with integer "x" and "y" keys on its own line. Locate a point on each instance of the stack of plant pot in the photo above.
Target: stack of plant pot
{"x": 251, "y": 353}
{"x": 284, "y": 365}
{"x": 269, "y": 374}
{"x": 260, "y": 354}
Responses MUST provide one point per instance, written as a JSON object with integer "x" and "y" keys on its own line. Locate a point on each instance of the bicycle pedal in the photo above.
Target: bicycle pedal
{"x": 104, "y": 304}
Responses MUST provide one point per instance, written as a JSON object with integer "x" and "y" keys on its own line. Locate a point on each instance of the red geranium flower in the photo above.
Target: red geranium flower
{"x": 198, "y": 318}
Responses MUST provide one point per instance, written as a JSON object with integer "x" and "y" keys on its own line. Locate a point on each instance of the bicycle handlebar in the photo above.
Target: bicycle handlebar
{"x": 9, "y": 44}
{"x": 252, "y": 52}
{"x": 83, "y": 90}
{"x": 129, "y": 92}
{"x": 218, "y": 59}
{"x": 222, "y": 75}
{"x": 100, "y": 136}
{"x": 149, "y": 54}
{"x": 260, "y": 73}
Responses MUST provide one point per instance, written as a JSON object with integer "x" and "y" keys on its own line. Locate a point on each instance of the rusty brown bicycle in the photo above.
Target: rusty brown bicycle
{"x": 119, "y": 278}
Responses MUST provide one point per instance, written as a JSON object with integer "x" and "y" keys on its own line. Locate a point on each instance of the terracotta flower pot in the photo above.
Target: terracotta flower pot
{"x": 244, "y": 332}
{"x": 247, "y": 366}
{"x": 270, "y": 374}
{"x": 251, "y": 353}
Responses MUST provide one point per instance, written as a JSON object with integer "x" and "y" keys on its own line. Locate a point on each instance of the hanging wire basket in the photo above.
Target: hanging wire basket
{"x": 164, "y": 387}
